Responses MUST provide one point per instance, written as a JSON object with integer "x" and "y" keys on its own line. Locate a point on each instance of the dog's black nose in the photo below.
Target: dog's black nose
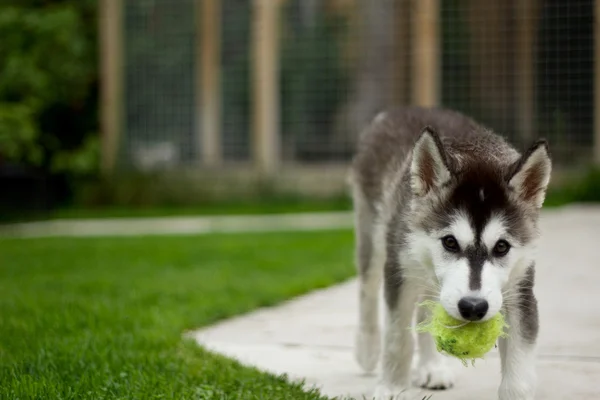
{"x": 472, "y": 308}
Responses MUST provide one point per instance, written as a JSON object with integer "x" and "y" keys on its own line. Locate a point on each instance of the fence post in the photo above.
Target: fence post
{"x": 596, "y": 154}
{"x": 426, "y": 53}
{"x": 526, "y": 28}
{"x": 265, "y": 85}
{"x": 208, "y": 80}
{"x": 401, "y": 73}
{"x": 110, "y": 30}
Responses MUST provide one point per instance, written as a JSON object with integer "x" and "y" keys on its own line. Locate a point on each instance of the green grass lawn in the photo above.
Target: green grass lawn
{"x": 250, "y": 207}
{"x": 103, "y": 318}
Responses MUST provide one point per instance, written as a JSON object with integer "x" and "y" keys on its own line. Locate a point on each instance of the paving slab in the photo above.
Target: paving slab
{"x": 187, "y": 225}
{"x": 310, "y": 338}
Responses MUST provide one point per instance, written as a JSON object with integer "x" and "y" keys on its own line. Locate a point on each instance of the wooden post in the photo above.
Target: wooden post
{"x": 525, "y": 68}
{"x": 401, "y": 94}
{"x": 596, "y": 154}
{"x": 265, "y": 85}
{"x": 111, "y": 80}
{"x": 426, "y": 53}
{"x": 208, "y": 81}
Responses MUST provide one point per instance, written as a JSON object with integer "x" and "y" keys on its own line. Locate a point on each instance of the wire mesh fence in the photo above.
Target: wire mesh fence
{"x": 523, "y": 67}
{"x": 159, "y": 92}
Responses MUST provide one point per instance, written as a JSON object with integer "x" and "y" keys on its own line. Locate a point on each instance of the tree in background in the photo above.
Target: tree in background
{"x": 48, "y": 85}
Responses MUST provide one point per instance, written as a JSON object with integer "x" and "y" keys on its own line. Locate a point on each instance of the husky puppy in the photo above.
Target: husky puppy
{"x": 448, "y": 210}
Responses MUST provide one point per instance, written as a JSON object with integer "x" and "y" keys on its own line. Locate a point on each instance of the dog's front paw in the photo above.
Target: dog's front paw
{"x": 367, "y": 348}
{"x": 438, "y": 376}
{"x": 385, "y": 392}
{"x": 516, "y": 389}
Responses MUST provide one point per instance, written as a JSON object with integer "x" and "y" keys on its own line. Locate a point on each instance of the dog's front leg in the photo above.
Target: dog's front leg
{"x": 518, "y": 366}
{"x": 519, "y": 378}
{"x": 433, "y": 370}
{"x": 398, "y": 343}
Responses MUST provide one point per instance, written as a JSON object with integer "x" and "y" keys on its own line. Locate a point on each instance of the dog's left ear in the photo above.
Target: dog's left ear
{"x": 530, "y": 175}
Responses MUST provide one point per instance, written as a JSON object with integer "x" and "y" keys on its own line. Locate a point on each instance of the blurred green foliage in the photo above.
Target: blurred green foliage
{"x": 19, "y": 133}
{"x": 48, "y": 79}
{"x": 581, "y": 186}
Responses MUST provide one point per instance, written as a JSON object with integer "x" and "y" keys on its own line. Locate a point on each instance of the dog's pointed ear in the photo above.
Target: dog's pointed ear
{"x": 530, "y": 175}
{"x": 429, "y": 167}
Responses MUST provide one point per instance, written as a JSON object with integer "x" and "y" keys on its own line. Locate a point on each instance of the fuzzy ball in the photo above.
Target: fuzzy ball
{"x": 465, "y": 341}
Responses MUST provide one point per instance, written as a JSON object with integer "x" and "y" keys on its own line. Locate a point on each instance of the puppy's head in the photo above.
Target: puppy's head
{"x": 474, "y": 221}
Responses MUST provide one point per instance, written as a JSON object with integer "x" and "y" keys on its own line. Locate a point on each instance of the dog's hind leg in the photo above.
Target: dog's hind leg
{"x": 369, "y": 264}
{"x": 432, "y": 370}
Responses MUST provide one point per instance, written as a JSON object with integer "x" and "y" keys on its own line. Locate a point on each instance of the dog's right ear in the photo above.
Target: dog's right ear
{"x": 429, "y": 167}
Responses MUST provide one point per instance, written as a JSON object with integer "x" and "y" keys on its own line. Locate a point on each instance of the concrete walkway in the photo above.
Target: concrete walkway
{"x": 179, "y": 225}
{"x": 311, "y": 337}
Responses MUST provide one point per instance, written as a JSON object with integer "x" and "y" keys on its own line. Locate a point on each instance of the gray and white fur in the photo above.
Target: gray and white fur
{"x": 445, "y": 209}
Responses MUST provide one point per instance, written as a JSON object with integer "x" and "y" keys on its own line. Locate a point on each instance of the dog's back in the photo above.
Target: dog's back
{"x": 386, "y": 143}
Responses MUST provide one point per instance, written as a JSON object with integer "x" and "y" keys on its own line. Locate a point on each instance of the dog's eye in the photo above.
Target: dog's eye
{"x": 502, "y": 247}
{"x": 450, "y": 243}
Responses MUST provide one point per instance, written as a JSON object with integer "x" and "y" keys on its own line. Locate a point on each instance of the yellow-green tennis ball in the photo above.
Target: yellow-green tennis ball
{"x": 466, "y": 341}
